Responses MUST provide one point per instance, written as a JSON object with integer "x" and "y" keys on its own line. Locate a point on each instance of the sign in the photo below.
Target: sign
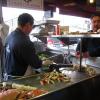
{"x": 26, "y": 4}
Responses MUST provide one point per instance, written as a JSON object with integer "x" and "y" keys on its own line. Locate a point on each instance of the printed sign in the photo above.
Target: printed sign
{"x": 26, "y": 4}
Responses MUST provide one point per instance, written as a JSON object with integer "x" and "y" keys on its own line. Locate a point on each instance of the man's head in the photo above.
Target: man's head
{"x": 95, "y": 20}
{"x": 25, "y": 22}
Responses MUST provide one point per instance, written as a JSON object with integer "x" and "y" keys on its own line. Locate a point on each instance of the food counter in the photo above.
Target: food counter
{"x": 81, "y": 87}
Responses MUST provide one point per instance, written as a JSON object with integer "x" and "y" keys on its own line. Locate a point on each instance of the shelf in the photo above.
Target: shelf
{"x": 79, "y": 35}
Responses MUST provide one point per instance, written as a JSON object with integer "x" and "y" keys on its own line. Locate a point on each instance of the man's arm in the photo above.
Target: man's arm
{"x": 84, "y": 48}
{"x": 84, "y": 45}
{"x": 29, "y": 55}
{"x": 95, "y": 52}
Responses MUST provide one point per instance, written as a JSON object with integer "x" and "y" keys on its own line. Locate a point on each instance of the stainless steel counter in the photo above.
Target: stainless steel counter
{"x": 81, "y": 86}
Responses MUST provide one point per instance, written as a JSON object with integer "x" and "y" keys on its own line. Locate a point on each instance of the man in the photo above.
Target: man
{"x": 4, "y": 30}
{"x": 19, "y": 50}
{"x": 91, "y": 46}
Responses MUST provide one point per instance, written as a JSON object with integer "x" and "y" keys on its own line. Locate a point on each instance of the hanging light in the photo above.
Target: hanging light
{"x": 91, "y": 1}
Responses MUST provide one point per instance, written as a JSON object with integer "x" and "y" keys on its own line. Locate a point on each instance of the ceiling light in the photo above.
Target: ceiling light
{"x": 91, "y": 1}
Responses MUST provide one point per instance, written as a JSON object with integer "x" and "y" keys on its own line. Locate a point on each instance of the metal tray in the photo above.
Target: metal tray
{"x": 34, "y": 80}
{"x": 59, "y": 87}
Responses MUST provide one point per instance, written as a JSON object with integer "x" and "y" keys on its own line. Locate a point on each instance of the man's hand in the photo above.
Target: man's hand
{"x": 47, "y": 62}
{"x": 84, "y": 55}
{"x": 77, "y": 54}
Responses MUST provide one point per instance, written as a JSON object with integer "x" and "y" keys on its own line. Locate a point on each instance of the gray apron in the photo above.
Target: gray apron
{"x": 93, "y": 61}
{"x": 29, "y": 71}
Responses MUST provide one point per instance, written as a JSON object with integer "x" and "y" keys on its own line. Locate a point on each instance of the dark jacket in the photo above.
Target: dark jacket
{"x": 19, "y": 53}
{"x": 91, "y": 45}
{"x": 1, "y": 46}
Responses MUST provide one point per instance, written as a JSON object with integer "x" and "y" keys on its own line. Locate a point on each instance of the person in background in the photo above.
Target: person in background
{"x": 91, "y": 46}
{"x": 19, "y": 51}
{"x": 4, "y": 30}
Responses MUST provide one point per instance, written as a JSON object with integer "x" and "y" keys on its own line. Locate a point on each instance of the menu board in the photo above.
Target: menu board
{"x": 27, "y": 4}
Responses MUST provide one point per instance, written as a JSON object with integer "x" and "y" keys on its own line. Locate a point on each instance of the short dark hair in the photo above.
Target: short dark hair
{"x": 25, "y": 18}
{"x": 94, "y": 16}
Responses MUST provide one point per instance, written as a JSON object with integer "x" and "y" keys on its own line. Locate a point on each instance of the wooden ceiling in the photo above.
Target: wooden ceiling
{"x": 80, "y": 8}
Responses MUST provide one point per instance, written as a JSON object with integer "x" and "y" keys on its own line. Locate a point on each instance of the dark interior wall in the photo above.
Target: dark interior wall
{"x": 98, "y": 2}
{"x": 98, "y": 5}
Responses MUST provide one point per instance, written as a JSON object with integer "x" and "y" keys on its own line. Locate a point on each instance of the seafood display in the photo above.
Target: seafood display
{"x": 19, "y": 92}
{"x": 54, "y": 76}
{"x": 87, "y": 69}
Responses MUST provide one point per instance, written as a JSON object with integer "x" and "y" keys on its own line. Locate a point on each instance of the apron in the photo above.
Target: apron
{"x": 32, "y": 71}
{"x": 29, "y": 71}
{"x": 93, "y": 61}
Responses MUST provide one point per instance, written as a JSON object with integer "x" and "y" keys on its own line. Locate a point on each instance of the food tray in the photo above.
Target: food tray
{"x": 34, "y": 80}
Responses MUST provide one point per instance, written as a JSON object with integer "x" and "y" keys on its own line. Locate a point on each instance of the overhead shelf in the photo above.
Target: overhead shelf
{"x": 78, "y": 35}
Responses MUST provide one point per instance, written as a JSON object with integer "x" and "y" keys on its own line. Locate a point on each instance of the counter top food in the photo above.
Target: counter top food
{"x": 79, "y": 84}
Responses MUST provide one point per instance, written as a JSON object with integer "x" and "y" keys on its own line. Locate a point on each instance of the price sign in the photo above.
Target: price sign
{"x": 27, "y": 4}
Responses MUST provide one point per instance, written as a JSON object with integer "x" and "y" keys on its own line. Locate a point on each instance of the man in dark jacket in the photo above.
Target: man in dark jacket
{"x": 19, "y": 50}
{"x": 91, "y": 46}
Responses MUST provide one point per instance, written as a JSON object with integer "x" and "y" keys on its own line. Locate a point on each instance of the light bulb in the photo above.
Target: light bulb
{"x": 91, "y": 1}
